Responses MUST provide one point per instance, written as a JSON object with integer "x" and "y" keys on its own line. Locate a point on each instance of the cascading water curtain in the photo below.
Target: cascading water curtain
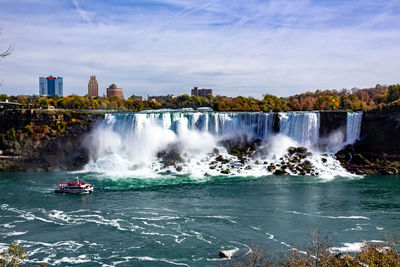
{"x": 353, "y": 126}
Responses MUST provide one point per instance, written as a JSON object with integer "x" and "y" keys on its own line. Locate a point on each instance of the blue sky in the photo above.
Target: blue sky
{"x": 244, "y": 47}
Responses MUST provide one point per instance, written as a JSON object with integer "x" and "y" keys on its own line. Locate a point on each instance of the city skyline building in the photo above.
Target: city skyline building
{"x": 93, "y": 87}
{"x": 201, "y": 92}
{"x": 160, "y": 98}
{"x": 112, "y": 90}
{"x": 50, "y": 86}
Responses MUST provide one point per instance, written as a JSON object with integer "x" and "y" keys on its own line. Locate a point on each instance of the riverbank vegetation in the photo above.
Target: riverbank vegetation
{"x": 377, "y": 98}
{"x": 14, "y": 256}
{"x": 320, "y": 253}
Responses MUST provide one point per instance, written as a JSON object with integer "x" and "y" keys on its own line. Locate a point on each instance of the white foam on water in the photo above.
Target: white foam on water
{"x": 126, "y": 145}
{"x": 146, "y": 258}
{"x": 228, "y": 218}
{"x": 29, "y": 216}
{"x": 13, "y": 233}
{"x": 330, "y": 217}
{"x": 270, "y": 236}
{"x": 357, "y": 228}
{"x": 72, "y": 260}
{"x": 176, "y": 237}
{"x": 349, "y": 247}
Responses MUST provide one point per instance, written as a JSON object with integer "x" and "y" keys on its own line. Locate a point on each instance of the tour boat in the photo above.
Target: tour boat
{"x": 74, "y": 187}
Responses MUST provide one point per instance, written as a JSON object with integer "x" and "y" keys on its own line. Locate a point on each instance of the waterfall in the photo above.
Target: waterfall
{"x": 256, "y": 125}
{"x": 132, "y": 142}
{"x": 302, "y": 127}
{"x": 353, "y": 126}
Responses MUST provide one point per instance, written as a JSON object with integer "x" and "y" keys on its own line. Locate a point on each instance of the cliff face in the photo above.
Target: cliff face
{"x": 378, "y": 150}
{"x": 44, "y": 140}
{"x": 331, "y": 121}
{"x": 380, "y": 133}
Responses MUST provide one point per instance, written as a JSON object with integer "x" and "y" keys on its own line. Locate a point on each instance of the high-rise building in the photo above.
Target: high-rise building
{"x": 51, "y": 86}
{"x": 93, "y": 87}
{"x": 201, "y": 92}
{"x": 112, "y": 90}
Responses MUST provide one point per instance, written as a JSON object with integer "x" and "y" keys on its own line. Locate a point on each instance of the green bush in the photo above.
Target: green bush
{"x": 15, "y": 255}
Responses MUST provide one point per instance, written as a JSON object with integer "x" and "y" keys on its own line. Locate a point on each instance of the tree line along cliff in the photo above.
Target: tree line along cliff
{"x": 377, "y": 98}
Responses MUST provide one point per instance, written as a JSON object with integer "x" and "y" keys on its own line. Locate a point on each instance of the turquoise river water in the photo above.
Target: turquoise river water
{"x": 177, "y": 220}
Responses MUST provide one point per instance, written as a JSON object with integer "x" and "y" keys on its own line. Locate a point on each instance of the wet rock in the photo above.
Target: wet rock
{"x": 236, "y": 153}
{"x": 324, "y": 160}
{"x": 292, "y": 150}
{"x": 307, "y": 163}
{"x": 216, "y": 151}
{"x": 228, "y": 253}
{"x": 240, "y": 146}
{"x": 388, "y": 171}
{"x": 226, "y": 171}
{"x": 301, "y": 150}
{"x": 360, "y": 159}
{"x": 179, "y": 168}
{"x": 170, "y": 156}
{"x": 308, "y": 169}
{"x": 280, "y": 172}
{"x": 212, "y": 167}
{"x": 220, "y": 158}
{"x": 271, "y": 168}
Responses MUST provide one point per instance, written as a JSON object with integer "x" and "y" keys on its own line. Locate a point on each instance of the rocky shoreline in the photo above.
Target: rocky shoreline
{"x": 44, "y": 140}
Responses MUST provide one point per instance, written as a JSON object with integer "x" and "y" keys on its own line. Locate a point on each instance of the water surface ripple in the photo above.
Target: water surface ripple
{"x": 181, "y": 221}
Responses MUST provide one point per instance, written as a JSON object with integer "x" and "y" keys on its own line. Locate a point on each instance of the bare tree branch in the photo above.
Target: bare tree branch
{"x": 7, "y": 52}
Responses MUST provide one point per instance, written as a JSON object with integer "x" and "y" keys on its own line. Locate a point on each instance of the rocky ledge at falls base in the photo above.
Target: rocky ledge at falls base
{"x": 378, "y": 150}
{"x": 50, "y": 140}
{"x": 44, "y": 140}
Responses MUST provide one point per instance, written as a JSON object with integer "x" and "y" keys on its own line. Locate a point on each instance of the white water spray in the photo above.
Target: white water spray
{"x": 129, "y": 143}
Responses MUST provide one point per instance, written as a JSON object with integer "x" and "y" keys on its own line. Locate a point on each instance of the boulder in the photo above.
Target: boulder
{"x": 179, "y": 168}
{"x": 170, "y": 156}
{"x": 228, "y": 253}
{"x": 280, "y": 172}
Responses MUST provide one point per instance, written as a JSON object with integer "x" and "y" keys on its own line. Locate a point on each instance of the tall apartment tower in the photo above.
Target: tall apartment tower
{"x": 51, "y": 86}
{"x": 93, "y": 87}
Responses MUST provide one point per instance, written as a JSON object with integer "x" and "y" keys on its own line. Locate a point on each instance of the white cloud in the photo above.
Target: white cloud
{"x": 237, "y": 47}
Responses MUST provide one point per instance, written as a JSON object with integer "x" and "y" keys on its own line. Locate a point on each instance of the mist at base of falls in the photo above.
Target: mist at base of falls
{"x": 201, "y": 144}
